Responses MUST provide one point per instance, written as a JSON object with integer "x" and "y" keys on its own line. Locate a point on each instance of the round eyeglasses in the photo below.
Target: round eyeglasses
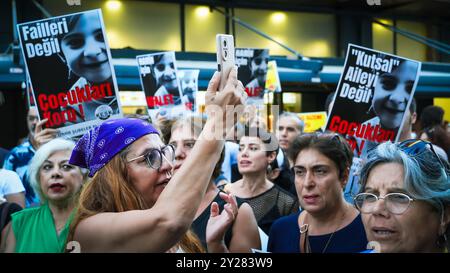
{"x": 154, "y": 157}
{"x": 396, "y": 203}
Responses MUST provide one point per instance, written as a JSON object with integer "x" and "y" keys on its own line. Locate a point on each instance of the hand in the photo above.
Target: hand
{"x": 224, "y": 105}
{"x": 218, "y": 224}
{"x": 232, "y": 94}
{"x": 40, "y": 136}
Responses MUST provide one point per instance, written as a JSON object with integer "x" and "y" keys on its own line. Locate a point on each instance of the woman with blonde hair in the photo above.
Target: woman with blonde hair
{"x": 240, "y": 235}
{"x": 58, "y": 183}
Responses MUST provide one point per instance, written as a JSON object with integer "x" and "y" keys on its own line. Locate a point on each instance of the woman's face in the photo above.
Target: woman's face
{"x": 165, "y": 73}
{"x": 85, "y": 51}
{"x": 416, "y": 230}
{"x": 183, "y": 140}
{"x": 317, "y": 181}
{"x": 252, "y": 157}
{"x": 147, "y": 181}
{"x": 59, "y": 180}
{"x": 392, "y": 93}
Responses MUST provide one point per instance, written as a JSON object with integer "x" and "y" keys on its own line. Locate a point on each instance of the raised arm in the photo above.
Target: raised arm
{"x": 159, "y": 228}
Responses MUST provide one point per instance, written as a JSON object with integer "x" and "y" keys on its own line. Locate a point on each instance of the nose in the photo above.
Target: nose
{"x": 165, "y": 166}
{"x": 179, "y": 153}
{"x": 92, "y": 49}
{"x": 379, "y": 208}
{"x": 263, "y": 65}
{"x": 56, "y": 173}
{"x": 399, "y": 95}
{"x": 309, "y": 180}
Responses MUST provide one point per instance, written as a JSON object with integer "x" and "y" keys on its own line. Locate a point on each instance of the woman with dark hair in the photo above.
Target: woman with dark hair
{"x": 327, "y": 223}
{"x": 257, "y": 149}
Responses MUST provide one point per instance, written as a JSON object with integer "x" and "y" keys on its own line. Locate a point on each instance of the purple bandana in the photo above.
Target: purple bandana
{"x": 100, "y": 144}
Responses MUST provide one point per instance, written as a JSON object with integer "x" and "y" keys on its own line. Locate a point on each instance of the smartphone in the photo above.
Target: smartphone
{"x": 225, "y": 57}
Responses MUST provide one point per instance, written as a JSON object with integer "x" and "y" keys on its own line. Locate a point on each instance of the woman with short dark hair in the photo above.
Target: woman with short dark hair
{"x": 327, "y": 223}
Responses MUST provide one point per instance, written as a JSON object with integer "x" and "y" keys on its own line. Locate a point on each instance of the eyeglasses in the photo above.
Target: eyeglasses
{"x": 414, "y": 147}
{"x": 154, "y": 157}
{"x": 396, "y": 203}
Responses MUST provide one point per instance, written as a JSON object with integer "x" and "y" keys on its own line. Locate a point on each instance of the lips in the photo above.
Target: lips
{"x": 244, "y": 163}
{"x": 382, "y": 233}
{"x": 56, "y": 187}
{"x": 283, "y": 142}
{"x": 393, "y": 110}
{"x": 163, "y": 182}
{"x": 311, "y": 199}
{"x": 94, "y": 64}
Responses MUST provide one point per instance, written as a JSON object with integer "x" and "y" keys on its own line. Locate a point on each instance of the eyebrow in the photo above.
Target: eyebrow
{"x": 389, "y": 190}
{"x": 72, "y": 35}
{"x": 144, "y": 152}
{"x": 48, "y": 161}
{"x": 313, "y": 166}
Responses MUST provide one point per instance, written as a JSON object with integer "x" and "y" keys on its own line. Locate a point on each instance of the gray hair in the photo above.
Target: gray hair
{"x": 425, "y": 179}
{"x": 42, "y": 154}
{"x": 300, "y": 123}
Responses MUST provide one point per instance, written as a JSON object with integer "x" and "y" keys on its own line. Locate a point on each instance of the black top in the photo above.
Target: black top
{"x": 6, "y": 209}
{"x": 199, "y": 225}
{"x": 284, "y": 237}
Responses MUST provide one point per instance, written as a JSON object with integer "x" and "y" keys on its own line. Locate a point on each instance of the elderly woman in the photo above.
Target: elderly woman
{"x": 130, "y": 206}
{"x": 257, "y": 149}
{"x": 239, "y": 236}
{"x": 405, "y": 198}
{"x": 45, "y": 228}
{"x": 327, "y": 223}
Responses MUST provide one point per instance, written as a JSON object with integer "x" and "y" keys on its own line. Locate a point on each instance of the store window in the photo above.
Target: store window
{"x": 202, "y": 25}
{"x": 410, "y": 48}
{"x": 136, "y": 24}
{"x": 383, "y": 38}
{"x": 313, "y": 35}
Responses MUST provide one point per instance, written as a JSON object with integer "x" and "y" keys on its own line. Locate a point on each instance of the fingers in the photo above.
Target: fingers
{"x": 49, "y": 132}
{"x": 232, "y": 81}
{"x": 229, "y": 210}
{"x": 214, "y": 209}
{"x": 213, "y": 85}
{"x": 39, "y": 125}
{"x": 241, "y": 94}
{"x": 231, "y": 202}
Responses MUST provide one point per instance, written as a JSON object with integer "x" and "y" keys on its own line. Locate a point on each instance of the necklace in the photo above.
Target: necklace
{"x": 304, "y": 228}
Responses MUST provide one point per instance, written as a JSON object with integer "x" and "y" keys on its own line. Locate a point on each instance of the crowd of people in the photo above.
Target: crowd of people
{"x": 128, "y": 185}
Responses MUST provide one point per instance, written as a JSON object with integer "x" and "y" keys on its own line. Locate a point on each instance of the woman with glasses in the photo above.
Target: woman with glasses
{"x": 327, "y": 223}
{"x": 405, "y": 198}
{"x": 129, "y": 205}
{"x": 240, "y": 235}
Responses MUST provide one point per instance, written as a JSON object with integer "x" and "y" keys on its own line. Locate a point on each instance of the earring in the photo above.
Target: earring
{"x": 269, "y": 168}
